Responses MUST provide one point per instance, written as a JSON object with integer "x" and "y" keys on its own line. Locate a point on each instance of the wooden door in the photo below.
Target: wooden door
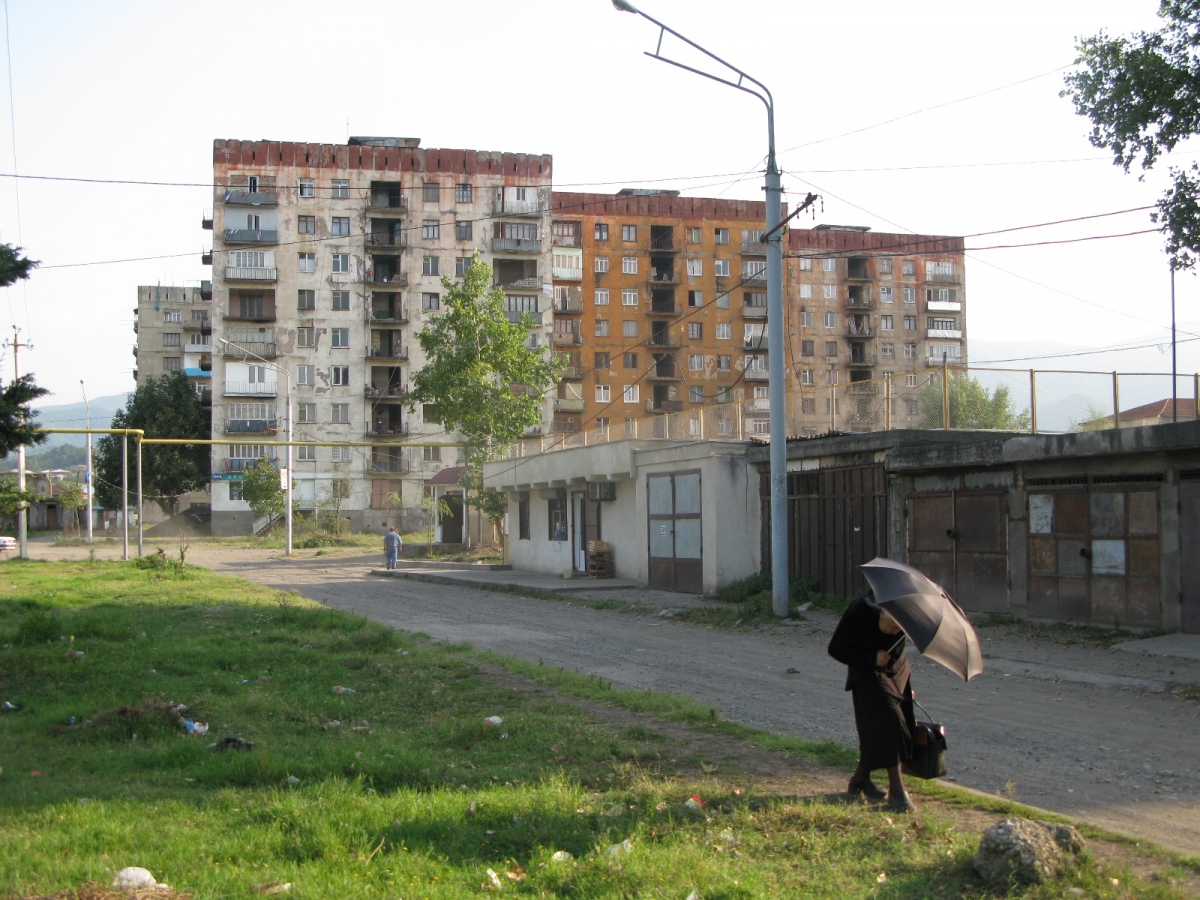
{"x": 674, "y": 520}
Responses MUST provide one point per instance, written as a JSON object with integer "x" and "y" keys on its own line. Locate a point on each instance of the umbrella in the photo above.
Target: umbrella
{"x": 934, "y": 622}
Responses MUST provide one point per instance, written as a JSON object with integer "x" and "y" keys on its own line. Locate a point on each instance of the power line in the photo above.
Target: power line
{"x": 1069, "y": 353}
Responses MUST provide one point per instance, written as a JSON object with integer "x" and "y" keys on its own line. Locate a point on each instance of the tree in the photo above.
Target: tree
{"x": 333, "y": 497}
{"x": 165, "y": 407}
{"x": 72, "y": 497}
{"x": 12, "y": 500}
{"x": 479, "y": 375}
{"x": 262, "y": 490}
{"x": 17, "y": 420}
{"x": 972, "y": 406}
{"x": 14, "y": 266}
{"x": 1142, "y": 95}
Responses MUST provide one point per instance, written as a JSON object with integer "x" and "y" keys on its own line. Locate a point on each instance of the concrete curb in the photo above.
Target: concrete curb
{"x": 567, "y": 585}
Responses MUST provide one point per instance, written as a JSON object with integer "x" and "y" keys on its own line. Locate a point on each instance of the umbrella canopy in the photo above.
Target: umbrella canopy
{"x": 934, "y": 622}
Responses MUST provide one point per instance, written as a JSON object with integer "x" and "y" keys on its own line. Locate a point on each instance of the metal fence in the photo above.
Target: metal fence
{"x": 943, "y": 398}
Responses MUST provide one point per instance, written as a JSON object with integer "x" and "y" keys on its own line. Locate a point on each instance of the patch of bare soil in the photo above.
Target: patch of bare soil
{"x": 92, "y": 891}
{"x": 729, "y": 762}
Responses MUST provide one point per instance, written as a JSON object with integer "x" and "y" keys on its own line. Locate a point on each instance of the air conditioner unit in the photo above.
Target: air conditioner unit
{"x": 602, "y": 490}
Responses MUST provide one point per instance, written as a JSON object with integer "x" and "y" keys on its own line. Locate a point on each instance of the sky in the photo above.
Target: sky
{"x": 925, "y": 116}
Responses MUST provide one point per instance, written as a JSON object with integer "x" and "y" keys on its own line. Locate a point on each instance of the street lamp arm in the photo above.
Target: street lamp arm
{"x": 733, "y": 84}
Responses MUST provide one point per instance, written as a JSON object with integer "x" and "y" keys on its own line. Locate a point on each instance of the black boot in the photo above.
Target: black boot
{"x": 866, "y": 787}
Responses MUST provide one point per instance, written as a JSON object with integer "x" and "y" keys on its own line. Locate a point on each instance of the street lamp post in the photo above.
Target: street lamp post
{"x": 287, "y": 481}
{"x": 88, "y": 407}
{"x": 777, "y": 398}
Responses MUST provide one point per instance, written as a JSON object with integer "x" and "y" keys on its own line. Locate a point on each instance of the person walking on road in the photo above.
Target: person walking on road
{"x": 393, "y": 546}
{"x": 870, "y": 643}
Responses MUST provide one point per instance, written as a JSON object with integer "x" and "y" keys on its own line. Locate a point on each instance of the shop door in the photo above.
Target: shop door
{"x": 674, "y": 523}
{"x": 452, "y": 522}
{"x": 1189, "y": 560}
{"x": 960, "y": 540}
{"x": 578, "y": 533}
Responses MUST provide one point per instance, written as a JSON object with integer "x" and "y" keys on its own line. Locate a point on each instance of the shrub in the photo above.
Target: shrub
{"x": 38, "y": 627}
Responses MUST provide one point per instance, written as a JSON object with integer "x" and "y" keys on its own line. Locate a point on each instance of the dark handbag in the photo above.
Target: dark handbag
{"x": 928, "y": 756}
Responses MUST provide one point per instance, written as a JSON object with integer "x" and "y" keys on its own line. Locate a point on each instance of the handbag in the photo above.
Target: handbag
{"x": 927, "y": 758}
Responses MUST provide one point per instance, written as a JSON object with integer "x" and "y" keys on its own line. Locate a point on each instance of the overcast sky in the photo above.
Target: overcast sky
{"x": 139, "y": 90}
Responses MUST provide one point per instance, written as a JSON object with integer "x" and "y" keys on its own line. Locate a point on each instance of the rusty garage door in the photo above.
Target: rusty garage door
{"x": 960, "y": 540}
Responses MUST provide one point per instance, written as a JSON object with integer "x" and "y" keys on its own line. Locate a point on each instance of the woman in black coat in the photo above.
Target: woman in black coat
{"x": 871, "y": 645}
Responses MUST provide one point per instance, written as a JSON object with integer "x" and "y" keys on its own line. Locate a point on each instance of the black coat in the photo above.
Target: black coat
{"x": 882, "y": 696}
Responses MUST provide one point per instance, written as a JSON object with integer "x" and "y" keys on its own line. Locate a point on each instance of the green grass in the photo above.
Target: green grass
{"x": 1064, "y": 634}
{"x": 411, "y": 795}
{"x": 749, "y": 603}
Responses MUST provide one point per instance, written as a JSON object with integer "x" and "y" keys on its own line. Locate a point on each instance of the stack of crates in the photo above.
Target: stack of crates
{"x": 600, "y": 562}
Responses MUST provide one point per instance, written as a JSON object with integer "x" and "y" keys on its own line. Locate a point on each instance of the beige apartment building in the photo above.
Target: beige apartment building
{"x": 174, "y": 334}
{"x": 327, "y": 261}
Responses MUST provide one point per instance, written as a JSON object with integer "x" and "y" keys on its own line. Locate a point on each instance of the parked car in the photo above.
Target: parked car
{"x": 8, "y": 543}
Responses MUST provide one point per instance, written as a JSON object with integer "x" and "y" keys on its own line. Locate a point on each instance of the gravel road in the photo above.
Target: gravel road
{"x": 1091, "y": 733}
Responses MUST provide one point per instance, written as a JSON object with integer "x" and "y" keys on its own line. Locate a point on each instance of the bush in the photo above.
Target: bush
{"x": 38, "y": 627}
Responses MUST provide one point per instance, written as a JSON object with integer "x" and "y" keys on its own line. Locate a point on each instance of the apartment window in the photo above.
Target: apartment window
{"x": 806, "y": 319}
{"x": 630, "y": 361}
{"x": 829, "y": 264}
{"x": 938, "y": 268}
{"x": 631, "y": 393}
{"x": 910, "y": 323}
{"x": 463, "y": 231}
{"x": 339, "y": 189}
{"x": 341, "y": 454}
{"x": 629, "y": 297}
{"x": 339, "y": 376}
{"x": 724, "y": 362}
{"x": 629, "y": 233}
{"x": 695, "y": 362}
{"x": 431, "y": 454}
{"x": 198, "y": 341}
{"x": 629, "y": 265}
{"x": 887, "y": 351}
{"x": 935, "y": 324}
{"x": 912, "y": 407}
{"x": 172, "y": 364}
{"x": 341, "y": 225}
{"x": 171, "y": 339}
{"x": 885, "y": 295}
{"x": 830, "y": 349}
{"x": 885, "y": 267}
{"x": 461, "y": 264}
{"x": 753, "y": 268}
{"x": 695, "y": 299}
{"x": 304, "y": 337}
{"x": 721, "y": 236}
{"x": 306, "y": 375}
{"x": 340, "y": 337}
{"x": 306, "y": 224}
{"x": 431, "y": 301}
{"x": 603, "y": 361}
{"x": 829, "y": 291}
{"x": 600, "y": 298}
{"x": 556, "y": 516}
{"x": 601, "y": 264}
{"x": 910, "y": 267}
{"x": 341, "y": 263}
{"x": 724, "y": 394}
{"x": 601, "y": 232}
{"x": 235, "y": 490}
{"x": 808, "y": 405}
{"x": 910, "y": 351}
{"x": 806, "y": 292}
{"x": 807, "y": 348}
{"x": 830, "y": 320}
{"x": 721, "y": 268}
{"x": 341, "y": 300}
{"x": 885, "y": 323}
{"x": 308, "y": 187}
{"x": 429, "y": 265}
{"x": 522, "y": 520}
{"x": 910, "y": 380}
{"x": 692, "y": 235}
{"x": 910, "y": 295}
{"x": 831, "y": 376}
{"x": 306, "y": 412}
{"x": 696, "y": 394}
{"x": 806, "y": 377}
{"x": 431, "y": 229}
{"x": 806, "y": 264}
{"x": 629, "y": 328}
{"x": 462, "y": 193}
{"x": 602, "y": 328}
{"x": 723, "y": 300}
{"x": 306, "y": 454}
{"x": 603, "y": 393}
{"x": 308, "y": 262}
{"x": 695, "y": 267}
{"x": 695, "y": 330}
{"x": 430, "y": 192}
{"x": 340, "y": 413}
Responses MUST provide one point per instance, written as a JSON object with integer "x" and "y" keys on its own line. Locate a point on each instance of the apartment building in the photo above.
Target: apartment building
{"x": 872, "y": 312}
{"x": 327, "y": 261}
{"x": 174, "y": 327}
{"x": 659, "y": 305}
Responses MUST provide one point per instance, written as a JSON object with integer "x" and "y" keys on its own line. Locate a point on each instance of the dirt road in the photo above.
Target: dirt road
{"x": 1091, "y": 733}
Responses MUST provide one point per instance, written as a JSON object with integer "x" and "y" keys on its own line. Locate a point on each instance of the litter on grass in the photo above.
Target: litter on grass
{"x": 621, "y": 849}
{"x": 272, "y": 887}
{"x": 561, "y": 856}
{"x": 8, "y": 707}
{"x": 338, "y": 689}
{"x": 695, "y": 802}
{"x": 231, "y": 743}
{"x": 491, "y": 873}
{"x": 134, "y": 878}
{"x": 493, "y": 720}
{"x": 194, "y": 727}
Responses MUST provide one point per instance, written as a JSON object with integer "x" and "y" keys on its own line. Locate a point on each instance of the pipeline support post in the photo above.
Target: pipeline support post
{"x": 125, "y": 497}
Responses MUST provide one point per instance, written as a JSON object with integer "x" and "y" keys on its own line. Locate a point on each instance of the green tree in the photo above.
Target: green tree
{"x": 13, "y": 265}
{"x": 12, "y": 500}
{"x": 972, "y": 406}
{"x": 333, "y": 497}
{"x": 72, "y": 497}
{"x": 165, "y": 407}
{"x": 262, "y": 490}
{"x": 1142, "y": 95}
{"x": 474, "y": 359}
{"x": 18, "y": 423}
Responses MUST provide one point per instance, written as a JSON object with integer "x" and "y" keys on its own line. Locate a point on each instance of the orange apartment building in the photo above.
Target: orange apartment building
{"x": 660, "y": 307}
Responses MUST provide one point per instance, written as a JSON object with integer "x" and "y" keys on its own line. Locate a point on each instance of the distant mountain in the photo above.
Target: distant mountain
{"x": 73, "y": 415}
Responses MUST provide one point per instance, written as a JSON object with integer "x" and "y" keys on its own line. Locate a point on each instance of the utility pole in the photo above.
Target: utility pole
{"x": 88, "y": 478}
{"x": 22, "y": 513}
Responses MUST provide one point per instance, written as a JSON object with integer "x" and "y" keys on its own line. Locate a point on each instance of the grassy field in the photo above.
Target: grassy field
{"x": 373, "y": 770}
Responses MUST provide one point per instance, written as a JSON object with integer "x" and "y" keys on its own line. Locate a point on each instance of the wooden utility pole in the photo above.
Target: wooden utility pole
{"x": 23, "y": 512}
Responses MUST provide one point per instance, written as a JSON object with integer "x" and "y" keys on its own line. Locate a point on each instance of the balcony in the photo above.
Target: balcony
{"x": 754, "y": 312}
{"x": 859, "y": 301}
{"x": 753, "y": 247}
{"x": 250, "y": 426}
{"x": 566, "y": 240}
{"x": 664, "y": 406}
{"x": 936, "y": 361}
{"x": 250, "y": 389}
{"x": 861, "y": 359}
{"x": 952, "y": 333}
{"x": 248, "y": 273}
{"x": 388, "y": 392}
{"x": 390, "y": 316}
{"x": 570, "y": 373}
{"x": 754, "y": 277}
{"x": 662, "y": 278}
{"x": 197, "y": 348}
{"x": 398, "y": 279}
{"x": 194, "y": 324}
{"x": 503, "y": 206}
{"x": 565, "y": 426}
{"x": 247, "y": 198}
{"x": 206, "y": 290}
{"x": 516, "y": 315}
{"x": 564, "y": 274}
{"x": 943, "y": 305}
{"x": 566, "y": 338}
{"x": 571, "y": 303}
{"x": 665, "y": 370}
{"x": 522, "y": 283}
{"x": 251, "y": 312}
{"x": 860, "y": 330}
{"x": 251, "y": 236}
{"x": 237, "y": 349}
{"x": 756, "y": 374}
{"x": 941, "y": 278}
{"x": 663, "y": 244}
{"x": 387, "y": 239}
{"x": 241, "y": 465}
{"x": 392, "y": 200}
{"x": 757, "y": 343}
{"x": 206, "y": 221}
{"x": 858, "y": 269}
{"x": 386, "y": 429}
{"x": 206, "y": 258}
{"x": 396, "y": 351}
{"x": 663, "y": 339}
{"x": 516, "y": 245}
{"x": 568, "y": 405}
{"x": 387, "y": 467}
{"x": 663, "y": 308}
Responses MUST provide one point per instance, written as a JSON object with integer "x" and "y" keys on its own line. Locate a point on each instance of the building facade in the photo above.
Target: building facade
{"x": 174, "y": 334}
{"x": 327, "y": 261}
